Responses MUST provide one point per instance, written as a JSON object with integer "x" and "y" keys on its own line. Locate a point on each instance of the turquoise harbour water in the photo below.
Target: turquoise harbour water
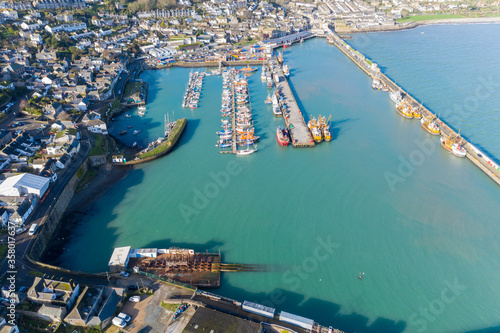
{"x": 427, "y": 243}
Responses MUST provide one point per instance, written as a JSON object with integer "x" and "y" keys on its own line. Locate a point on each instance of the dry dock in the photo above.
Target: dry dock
{"x": 481, "y": 160}
{"x": 294, "y": 120}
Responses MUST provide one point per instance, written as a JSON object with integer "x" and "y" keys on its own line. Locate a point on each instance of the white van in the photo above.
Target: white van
{"x": 33, "y": 229}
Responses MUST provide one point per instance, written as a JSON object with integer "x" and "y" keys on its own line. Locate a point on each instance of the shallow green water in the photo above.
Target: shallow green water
{"x": 321, "y": 215}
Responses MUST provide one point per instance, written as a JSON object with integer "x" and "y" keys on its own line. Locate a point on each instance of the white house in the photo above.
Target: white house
{"x": 97, "y": 126}
{"x": 4, "y": 216}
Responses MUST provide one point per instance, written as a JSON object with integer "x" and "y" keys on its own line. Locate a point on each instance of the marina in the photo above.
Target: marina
{"x": 365, "y": 132}
{"x": 405, "y": 103}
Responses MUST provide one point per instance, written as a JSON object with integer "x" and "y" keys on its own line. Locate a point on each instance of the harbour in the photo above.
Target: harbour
{"x": 224, "y": 223}
{"x": 477, "y": 157}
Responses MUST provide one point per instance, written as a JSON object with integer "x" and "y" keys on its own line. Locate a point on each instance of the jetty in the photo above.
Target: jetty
{"x": 294, "y": 120}
{"x": 476, "y": 156}
{"x": 201, "y": 269}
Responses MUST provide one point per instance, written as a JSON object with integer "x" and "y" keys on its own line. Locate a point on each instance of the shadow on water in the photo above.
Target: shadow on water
{"x": 495, "y": 329}
{"x": 210, "y": 246}
{"x": 189, "y": 132}
{"x": 152, "y": 78}
{"x": 324, "y": 312}
{"x": 74, "y": 222}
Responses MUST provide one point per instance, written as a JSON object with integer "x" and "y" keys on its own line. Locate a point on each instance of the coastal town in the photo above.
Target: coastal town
{"x": 69, "y": 67}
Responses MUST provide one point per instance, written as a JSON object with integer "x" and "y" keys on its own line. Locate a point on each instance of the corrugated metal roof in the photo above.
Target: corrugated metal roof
{"x": 26, "y": 180}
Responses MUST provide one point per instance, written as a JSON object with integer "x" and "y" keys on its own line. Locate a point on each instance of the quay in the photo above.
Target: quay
{"x": 294, "y": 120}
{"x": 477, "y": 157}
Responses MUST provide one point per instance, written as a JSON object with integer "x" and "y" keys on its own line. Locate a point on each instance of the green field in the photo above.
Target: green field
{"x": 418, "y": 18}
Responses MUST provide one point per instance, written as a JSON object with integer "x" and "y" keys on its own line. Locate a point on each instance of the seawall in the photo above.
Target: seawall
{"x": 477, "y": 157}
{"x": 50, "y": 222}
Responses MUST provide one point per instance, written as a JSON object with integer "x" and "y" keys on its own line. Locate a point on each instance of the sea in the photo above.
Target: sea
{"x": 379, "y": 230}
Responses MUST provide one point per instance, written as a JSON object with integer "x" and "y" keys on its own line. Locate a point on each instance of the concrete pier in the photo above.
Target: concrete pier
{"x": 299, "y": 132}
{"x": 477, "y": 157}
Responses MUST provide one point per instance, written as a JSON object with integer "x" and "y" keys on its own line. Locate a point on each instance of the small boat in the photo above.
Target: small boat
{"x": 141, "y": 113}
{"x": 277, "y": 111}
{"x": 396, "y": 96}
{"x": 134, "y": 145}
{"x": 136, "y": 132}
{"x": 248, "y": 69}
{"x": 128, "y": 116}
{"x": 223, "y": 145}
{"x": 129, "y": 127}
{"x": 282, "y": 136}
{"x": 268, "y": 100}
{"x": 286, "y": 70}
{"x": 280, "y": 57}
{"x": 288, "y": 44}
{"x": 123, "y": 132}
{"x": 246, "y": 151}
{"x": 142, "y": 108}
{"x": 330, "y": 40}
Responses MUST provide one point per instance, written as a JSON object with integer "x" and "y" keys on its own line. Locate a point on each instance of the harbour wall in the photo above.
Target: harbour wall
{"x": 50, "y": 222}
{"x": 477, "y": 157}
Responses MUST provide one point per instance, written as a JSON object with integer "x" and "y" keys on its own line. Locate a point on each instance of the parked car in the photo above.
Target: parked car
{"x": 124, "y": 316}
{"x": 124, "y": 274}
{"x": 135, "y": 299}
{"x": 119, "y": 322}
{"x": 20, "y": 230}
{"x": 133, "y": 287}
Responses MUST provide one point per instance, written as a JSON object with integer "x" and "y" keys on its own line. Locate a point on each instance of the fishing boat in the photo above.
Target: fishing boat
{"x": 280, "y": 57}
{"x": 453, "y": 145}
{"x": 136, "y": 132}
{"x": 268, "y": 100}
{"x": 317, "y": 135}
{"x": 376, "y": 84}
{"x": 429, "y": 124}
{"x": 277, "y": 111}
{"x": 286, "y": 70}
{"x": 396, "y": 96}
{"x": 141, "y": 112}
{"x": 326, "y": 134}
{"x": 288, "y": 44}
{"x": 330, "y": 40}
{"x": 282, "y": 136}
{"x": 128, "y": 116}
{"x": 404, "y": 110}
{"x": 269, "y": 82}
{"x": 223, "y": 145}
{"x": 249, "y": 69}
{"x": 123, "y": 132}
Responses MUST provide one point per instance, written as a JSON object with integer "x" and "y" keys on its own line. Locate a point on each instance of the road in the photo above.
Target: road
{"x": 24, "y": 241}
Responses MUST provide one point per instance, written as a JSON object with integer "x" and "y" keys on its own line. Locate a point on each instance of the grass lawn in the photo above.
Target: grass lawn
{"x": 170, "y": 306}
{"x": 98, "y": 148}
{"x": 418, "y": 18}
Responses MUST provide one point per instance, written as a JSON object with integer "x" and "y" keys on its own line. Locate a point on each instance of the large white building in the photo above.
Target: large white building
{"x": 24, "y": 184}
